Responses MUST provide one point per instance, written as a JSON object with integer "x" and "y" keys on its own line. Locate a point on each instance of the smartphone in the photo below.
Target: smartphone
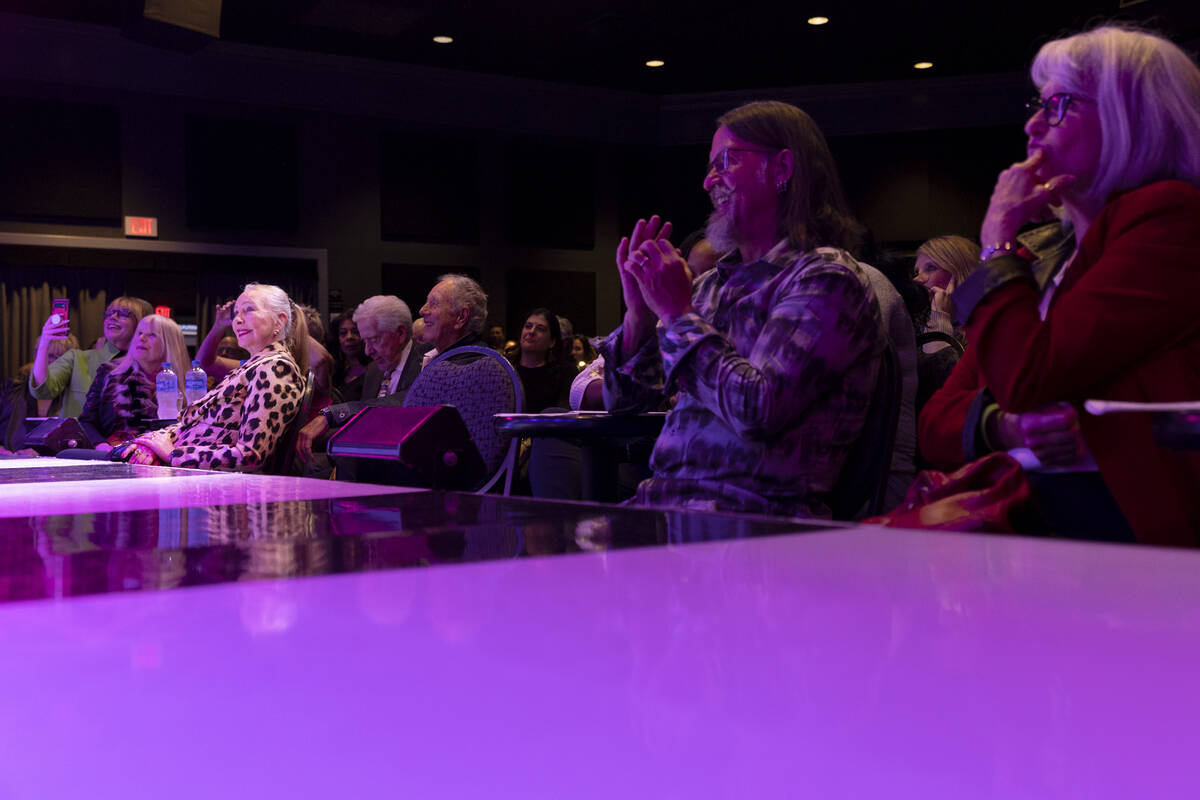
{"x": 60, "y": 310}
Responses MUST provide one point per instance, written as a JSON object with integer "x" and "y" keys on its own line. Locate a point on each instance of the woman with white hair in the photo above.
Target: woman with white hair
{"x": 1100, "y": 303}
{"x": 122, "y": 398}
{"x": 238, "y": 425}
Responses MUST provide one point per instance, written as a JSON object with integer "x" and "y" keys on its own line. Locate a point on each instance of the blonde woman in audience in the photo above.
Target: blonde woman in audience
{"x": 238, "y": 425}
{"x": 942, "y": 264}
{"x": 122, "y": 399}
{"x": 71, "y": 375}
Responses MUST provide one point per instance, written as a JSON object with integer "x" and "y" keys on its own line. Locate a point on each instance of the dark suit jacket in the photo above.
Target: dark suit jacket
{"x": 338, "y": 414}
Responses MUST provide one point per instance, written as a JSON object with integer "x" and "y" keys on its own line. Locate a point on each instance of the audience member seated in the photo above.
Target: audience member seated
{"x": 1105, "y": 309}
{"x": 16, "y": 403}
{"x": 942, "y": 264}
{"x": 582, "y": 352}
{"x": 238, "y": 424}
{"x": 385, "y": 323}
{"x": 319, "y": 360}
{"x": 71, "y": 375}
{"x": 122, "y": 400}
{"x": 228, "y": 348}
{"x": 349, "y": 359}
{"x": 496, "y": 338}
{"x": 699, "y": 254}
{"x": 543, "y": 377}
{"x": 454, "y": 315}
{"x": 774, "y": 353}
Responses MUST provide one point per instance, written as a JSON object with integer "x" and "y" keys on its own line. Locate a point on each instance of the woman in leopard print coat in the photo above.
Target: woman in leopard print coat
{"x": 239, "y": 423}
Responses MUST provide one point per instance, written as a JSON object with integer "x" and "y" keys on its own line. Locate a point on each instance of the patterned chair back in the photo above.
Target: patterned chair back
{"x": 480, "y": 383}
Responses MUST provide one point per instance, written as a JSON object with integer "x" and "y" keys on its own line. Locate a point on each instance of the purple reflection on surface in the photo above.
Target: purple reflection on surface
{"x": 857, "y": 663}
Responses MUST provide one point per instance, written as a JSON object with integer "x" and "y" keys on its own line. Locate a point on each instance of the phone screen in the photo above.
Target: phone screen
{"x": 61, "y": 309}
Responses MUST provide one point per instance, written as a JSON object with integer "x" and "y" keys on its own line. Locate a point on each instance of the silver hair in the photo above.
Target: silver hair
{"x": 1147, "y": 93}
{"x": 467, "y": 293}
{"x": 276, "y": 301}
{"x": 388, "y": 311}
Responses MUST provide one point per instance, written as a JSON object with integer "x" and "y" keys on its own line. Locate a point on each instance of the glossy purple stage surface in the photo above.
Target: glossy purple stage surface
{"x": 505, "y": 647}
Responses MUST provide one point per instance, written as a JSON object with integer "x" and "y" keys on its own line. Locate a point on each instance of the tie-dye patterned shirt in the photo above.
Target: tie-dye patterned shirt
{"x": 774, "y": 373}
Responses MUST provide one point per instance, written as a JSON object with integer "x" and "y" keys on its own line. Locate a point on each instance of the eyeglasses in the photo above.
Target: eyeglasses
{"x": 721, "y": 162}
{"x": 119, "y": 313}
{"x": 1055, "y": 106}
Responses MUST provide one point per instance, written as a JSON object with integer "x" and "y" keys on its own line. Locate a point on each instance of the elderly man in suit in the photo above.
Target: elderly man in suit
{"x": 385, "y": 325}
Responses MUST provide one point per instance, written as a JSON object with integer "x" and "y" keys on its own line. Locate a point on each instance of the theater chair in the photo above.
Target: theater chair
{"x": 282, "y": 460}
{"x": 480, "y": 383}
{"x": 859, "y": 491}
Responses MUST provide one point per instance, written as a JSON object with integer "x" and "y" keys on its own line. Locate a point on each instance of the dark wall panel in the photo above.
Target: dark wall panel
{"x": 550, "y": 194}
{"x": 60, "y": 162}
{"x": 428, "y": 188}
{"x": 241, "y": 174}
{"x": 567, "y": 294}
{"x": 908, "y": 187}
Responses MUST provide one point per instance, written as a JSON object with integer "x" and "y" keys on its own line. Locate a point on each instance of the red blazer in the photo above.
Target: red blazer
{"x": 1124, "y": 325}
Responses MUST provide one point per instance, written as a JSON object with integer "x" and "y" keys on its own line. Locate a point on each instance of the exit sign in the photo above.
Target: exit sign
{"x": 142, "y": 226}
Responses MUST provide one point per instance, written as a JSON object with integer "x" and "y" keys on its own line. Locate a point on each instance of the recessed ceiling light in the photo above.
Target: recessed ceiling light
{"x": 817, "y": 20}
{"x": 923, "y": 65}
{"x": 443, "y": 39}
{"x": 655, "y": 63}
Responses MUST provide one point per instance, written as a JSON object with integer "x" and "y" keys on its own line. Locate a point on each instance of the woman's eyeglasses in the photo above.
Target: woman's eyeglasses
{"x": 119, "y": 313}
{"x": 1054, "y": 107}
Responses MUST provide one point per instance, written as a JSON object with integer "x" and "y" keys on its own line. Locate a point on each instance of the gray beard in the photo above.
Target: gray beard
{"x": 720, "y": 232}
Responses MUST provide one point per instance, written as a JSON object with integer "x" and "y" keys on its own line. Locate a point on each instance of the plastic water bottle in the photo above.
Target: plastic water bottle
{"x": 195, "y": 383}
{"x": 166, "y": 387}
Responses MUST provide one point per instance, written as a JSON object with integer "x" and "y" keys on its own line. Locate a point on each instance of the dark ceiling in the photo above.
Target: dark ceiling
{"x": 707, "y": 46}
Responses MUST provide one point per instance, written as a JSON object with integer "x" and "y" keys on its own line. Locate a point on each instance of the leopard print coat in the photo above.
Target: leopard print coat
{"x": 238, "y": 424}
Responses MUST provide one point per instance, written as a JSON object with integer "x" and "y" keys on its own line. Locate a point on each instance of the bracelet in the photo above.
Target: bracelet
{"x": 118, "y": 452}
{"x": 999, "y": 248}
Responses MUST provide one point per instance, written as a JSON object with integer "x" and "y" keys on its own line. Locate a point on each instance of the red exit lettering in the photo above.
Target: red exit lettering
{"x": 141, "y": 226}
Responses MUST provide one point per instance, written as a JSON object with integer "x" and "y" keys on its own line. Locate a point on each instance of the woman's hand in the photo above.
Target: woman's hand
{"x": 1051, "y": 432}
{"x": 940, "y": 298}
{"x": 223, "y": 315}
{"x": 55, "y": 330}
{"x": 158, "y": 444}
{"x": 140, "y": 454}
{"x": 1018, "y": 198}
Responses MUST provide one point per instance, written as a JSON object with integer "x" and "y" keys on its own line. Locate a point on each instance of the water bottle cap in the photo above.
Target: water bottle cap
{"x": 195, "y": 363}
{"x": 166, "y": 365}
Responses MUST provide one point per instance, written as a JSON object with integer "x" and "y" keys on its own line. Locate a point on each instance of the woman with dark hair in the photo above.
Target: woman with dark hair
{"x": 1099, "y": 304}
{"x": 350, "y": 360}
{"x": 546, "y": 383}
{"x": 582, "y": 352}
{"x": 238, "y": 425}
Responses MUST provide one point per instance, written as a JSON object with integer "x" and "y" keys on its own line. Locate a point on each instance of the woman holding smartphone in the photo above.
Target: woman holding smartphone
{"x": 72, "y": 374}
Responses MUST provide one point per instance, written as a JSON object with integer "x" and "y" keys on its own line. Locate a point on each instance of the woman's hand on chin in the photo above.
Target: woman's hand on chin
{"x": 1020, "y": 197}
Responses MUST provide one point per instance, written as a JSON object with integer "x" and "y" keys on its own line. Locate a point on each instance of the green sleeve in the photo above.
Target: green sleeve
{"x": 58, "y": 376}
